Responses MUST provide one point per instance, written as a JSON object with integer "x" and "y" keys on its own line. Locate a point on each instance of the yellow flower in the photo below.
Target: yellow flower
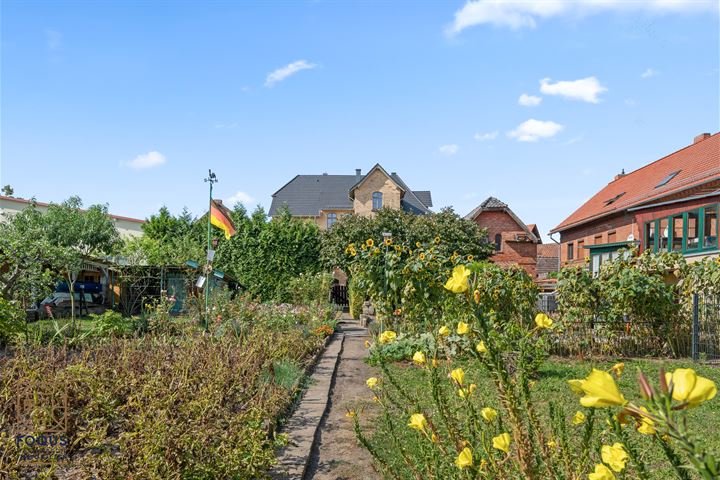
{"x": 458, "y": 283}
{"x": 388, "y": 336}
{"x": 690, "y": 387}
{"x": 422, "y": 256}
{"x": 618, "y": 369}
{"x": 418, "y": 244}
{"x": 417, "y": 421}
{"x": 483, "y": 464}
{"x": 375, "y": 398}
{"x": 476, "y": 296}
{"x": 576, "y": 386}
{"x": 647, "y": 426}
{"x": 551, "y": 444}
{"x": 434, "y": 438}
{"x": 578, "y": 418}
{"x": 419, "y": 358}
{"x": 467, "y": 392}
{"x": 444, "y": 331}
{"x": 462, "y": 328}
{"x": 437, "y": 239}
{"x": 367, "y": 344}
{"x": 488, "y": 413}
{"x": 351, "y": 414}
{"x": 376, "y": 251}
{"x": 601, "y": 473}
{"x": 600, "y": 390}
{"x": 458, "y": 375}
{"x": 435, "y": 363}
{"x": 465, "y": 459}
{"x": 502, "y": 442}
{"x": 470, "y": 258}
{"x": 387, "y": 242}
{"x": 370, "y": 242}
{"x": 543, "y": 321}
{"x": 371, "y": 382}
{"x": 615, "y": 457}
{"x": 481, "y": 348}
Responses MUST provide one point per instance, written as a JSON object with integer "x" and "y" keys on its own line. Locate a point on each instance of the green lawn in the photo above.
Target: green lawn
{"x": 552, "y": 385}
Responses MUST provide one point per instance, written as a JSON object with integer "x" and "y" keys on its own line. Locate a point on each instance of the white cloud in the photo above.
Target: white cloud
{"x": 481, "y": 137}
{"x": 448, "y": 150}
{"x": 630, "y": 102}
{"x": 147, "y": 160}
{"x": 529, "y": 100}
{"x": 585, "y": 89}
{"x": 53, "y": 40}
{"x": 649, "y": 73}
{"x": 517, "y": 14}
{"x": 240, "y": 197}
{"x": 291, "y": 69}
{"x": 532, "y": 130}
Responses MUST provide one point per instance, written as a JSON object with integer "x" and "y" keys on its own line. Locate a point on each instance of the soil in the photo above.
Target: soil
{"x": 339, "y": 455}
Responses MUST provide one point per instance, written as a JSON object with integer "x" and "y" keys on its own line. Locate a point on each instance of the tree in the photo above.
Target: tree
{"x": 457, "y": 234}
{"x": 8, "y": 191}
{"x": 79, "y": 233}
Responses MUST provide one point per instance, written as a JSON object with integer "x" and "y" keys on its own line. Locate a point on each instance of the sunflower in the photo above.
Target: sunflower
{"x": 370, "y": 242}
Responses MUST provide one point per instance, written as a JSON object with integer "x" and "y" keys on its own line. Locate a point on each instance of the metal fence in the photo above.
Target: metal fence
{"x": 706, "y": 327}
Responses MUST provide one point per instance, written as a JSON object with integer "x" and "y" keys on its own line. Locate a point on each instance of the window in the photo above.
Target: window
{"x": 677, "y": 233}
{"x": 331, "y": 219}
{"x": 377, "y": 200}
{"x": 612, "y": 238}
{"x": 570, "y": 251}
{"x": 579, "y": 251}
{"x": 598, "y": 240}
{"x": 650, "y": 236}
{"x": 710, "y": 226}
{"x": 692, "y": 237}
{"x": 498, "y": 242}
{"x": 693, "y": 231}
{"x": 664, "y": 233}
{"x": 665, "y": 180}
{"x": 614, "y": 199}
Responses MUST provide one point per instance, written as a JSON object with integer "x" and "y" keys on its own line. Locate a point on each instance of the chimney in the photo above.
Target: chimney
{"x": 324, "y": 174}
{"x": 619, "y": 175}
{"x": 358, "y": 172}
{"x": 393, "y": 173}
{"x": 701, "y": 137}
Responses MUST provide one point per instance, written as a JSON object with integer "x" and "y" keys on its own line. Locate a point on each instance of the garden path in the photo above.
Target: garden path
{"x": 339, "y": 456}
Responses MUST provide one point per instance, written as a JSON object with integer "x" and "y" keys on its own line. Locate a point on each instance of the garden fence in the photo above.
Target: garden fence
{"x": 706, "y": 327}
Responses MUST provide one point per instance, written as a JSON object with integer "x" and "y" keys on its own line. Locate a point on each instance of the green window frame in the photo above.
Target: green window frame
{"x": 699, "y": 246}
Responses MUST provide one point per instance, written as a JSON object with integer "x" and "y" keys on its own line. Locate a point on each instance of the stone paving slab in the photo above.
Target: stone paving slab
{"x": 303, "y": 426}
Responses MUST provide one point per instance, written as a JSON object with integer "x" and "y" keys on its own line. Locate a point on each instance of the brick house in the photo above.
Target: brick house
{"x": 670, "y": 204}
{"x": 516, "y": 243}
{"x": 326, "y": 198}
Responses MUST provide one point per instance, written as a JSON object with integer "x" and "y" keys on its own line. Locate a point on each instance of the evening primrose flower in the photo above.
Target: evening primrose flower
{"x": 458, "y": 375}
{"x": 601, "y": 473}
{"x": 488, "y": 413}
{"x": 551, "y": 444}
{"x": 647, "y": 426}
{"x": 462, "y": 328}
{"x": 615, "y": 457}
{"x": 465, "y": 459}
{"x": 600, "y": 390}
{"x": 458, "y": 283}
{"x": 417, "y": 421}
{"x": 618, "y": 369}
{"x": 444, "y": 331}
{"x": 419, "y": 358}
{"x": 502, "y": 442}
{"x": 476, "y": 296}
{"x": 351, "y": 414}
{"x": 481, "y": 348}
{"x": 690, "y": 387}
{"x": 388, "y": 336}
{"x": 371, "y": 382}
{"x": 576, "y": 386}
{"x": 543, "y": 321}
{"x": 468, "y": 391}
{"x": 578, "y": 418}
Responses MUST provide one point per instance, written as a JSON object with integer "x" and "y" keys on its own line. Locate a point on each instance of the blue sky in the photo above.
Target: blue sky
{"x": 130, "y": 104}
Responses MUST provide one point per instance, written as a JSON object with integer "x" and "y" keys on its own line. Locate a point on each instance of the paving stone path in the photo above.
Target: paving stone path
{"x": 338, "y": 455}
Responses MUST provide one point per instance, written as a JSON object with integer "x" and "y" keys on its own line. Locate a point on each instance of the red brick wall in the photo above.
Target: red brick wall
{"x": 623, "y": 224}
{"x": 511, "y": 251}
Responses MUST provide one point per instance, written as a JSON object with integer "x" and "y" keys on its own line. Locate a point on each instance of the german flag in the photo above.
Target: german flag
{"x": 220, "y": 217}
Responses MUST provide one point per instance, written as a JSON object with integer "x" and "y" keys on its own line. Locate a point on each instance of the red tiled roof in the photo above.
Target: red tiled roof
{"x": 43, "y": 204}
{"x": 697, "y": 164}
{"x": 548, "y": 250}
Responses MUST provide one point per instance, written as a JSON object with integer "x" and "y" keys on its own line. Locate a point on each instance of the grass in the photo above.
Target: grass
{"x": 551, "y": 386}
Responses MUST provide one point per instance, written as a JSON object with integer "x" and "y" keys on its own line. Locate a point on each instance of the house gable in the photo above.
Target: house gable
{"x": 377, "y": 180}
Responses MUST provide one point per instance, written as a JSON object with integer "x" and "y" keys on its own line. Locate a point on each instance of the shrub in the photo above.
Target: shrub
{"x": 310, "y": 289}
{"x": 356, "y": 298}
{"x": 11, "y": 321}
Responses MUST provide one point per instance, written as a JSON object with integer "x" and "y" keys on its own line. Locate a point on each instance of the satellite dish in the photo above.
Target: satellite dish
{"x": 631, "y": 237}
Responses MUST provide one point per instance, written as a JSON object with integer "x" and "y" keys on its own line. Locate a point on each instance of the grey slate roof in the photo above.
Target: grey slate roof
{"x": 306, "y": 195}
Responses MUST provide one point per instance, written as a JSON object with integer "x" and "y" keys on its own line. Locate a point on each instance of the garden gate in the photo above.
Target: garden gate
{"x": 706, "y": 327}
{"x": 339, "y": 296}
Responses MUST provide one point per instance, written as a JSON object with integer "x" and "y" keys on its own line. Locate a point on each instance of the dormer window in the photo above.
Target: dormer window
{"x": 614, "y": 199}
{"x": 377, "y": 200}
{"x": 667, "y": 179}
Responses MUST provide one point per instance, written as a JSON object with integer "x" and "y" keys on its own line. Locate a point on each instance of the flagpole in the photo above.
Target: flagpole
{"x": 211, "y": 179}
